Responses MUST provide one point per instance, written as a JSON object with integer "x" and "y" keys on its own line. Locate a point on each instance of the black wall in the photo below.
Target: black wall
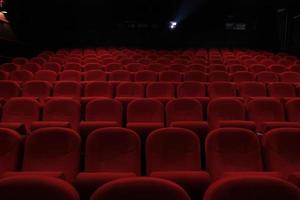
{"x": 144, "y": 23}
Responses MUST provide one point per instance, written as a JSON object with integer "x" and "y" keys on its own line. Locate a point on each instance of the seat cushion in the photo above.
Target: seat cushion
{"x": 88, "y": 182}
{"x": 194, "y": 182}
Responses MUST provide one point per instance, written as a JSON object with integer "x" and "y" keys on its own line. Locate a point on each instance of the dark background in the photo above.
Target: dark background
{"x": 52, "y": 24}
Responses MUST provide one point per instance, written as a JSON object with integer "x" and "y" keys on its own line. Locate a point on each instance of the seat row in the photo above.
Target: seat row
{"x": 25, "y": 187}
{"x": 146, "y": 115}
{"x": 157, "y": 67}
{"x": 159, "y": 90}
{"x": 173, "y": 154}
{"x": 150, "y": 76}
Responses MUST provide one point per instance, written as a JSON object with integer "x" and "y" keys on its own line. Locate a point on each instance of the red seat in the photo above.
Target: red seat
{"x": 163, "y": 92}
{"x": 92, "y": 66}
{"x": 52, "y": 66}
{"x": 225, "y": 154}
{"x": 98, "y": 89}
{"x": 135, "y": 67}
{"x": 26, "y": 187}
{"x": 197, "y": 67}
{"x": 218, "y": 76}
{"x": 105, "y": 162}
{"x": 46, "y": 75}
{"x": 95, "y": 75}
{"x": 146, "y": 76}
{"x": 181, "y": 147}
{"x": 127, "y": 92}
{"x": 145, "y": 115}
{"x": 21, "y": 111}
{"x": 256, "y": 68}
{"x": 267, "y": 76}
{"x": 3, "y": 75}
{"x": 10, "y": 146}
{"x": 178, "y": 67}
{"x": 187, "y": 113}
{"x": 9, "y": 89}
{"x": 281, "y": 152}
{"x": 249, "y": 187}
{"x": 237, "y": 68}
{"x": 242, "y": 76}
{"x": 51, "y": 152}
{"x": 195, "y": 76}
{"x": 217, "y": 67}
{"x": 290, "y": 77}
{"x": 295, "y": 68}
{"x": 40, "y": 89}
{"x": 73, "y": 66}
{"x": 120, "y": 76}
{"x": 140, "y": 188}
{"x": 191, "y": 89}
{"x": 114, "y": 67}
{"x": 228, "y": 112}
{"x": 67, "y": 89}
{"x": 21, "y": 75}
{"x": 170, "y": 76}
{"x": 38, "y": 60}
{"x": 100, "y": 113}
{"x": 282, "y": 90}
{"x": 221, "y": 89}
{"x": 293, "y": 110}
{"x": 32, "y": 67}
{"x": 70, "y": 75}
{"x": 156, "y": 67}
{"x": 60, "y": 112}
{"x": 20, "y": 61}
{"x": 277, "y": 68}
{"x": 268, "y": 113}
{"x": 9, "y": 67}
{"x": 252, "y": 89}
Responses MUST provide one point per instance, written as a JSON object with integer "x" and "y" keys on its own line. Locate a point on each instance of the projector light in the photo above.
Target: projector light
{"x": 173, "y": 25}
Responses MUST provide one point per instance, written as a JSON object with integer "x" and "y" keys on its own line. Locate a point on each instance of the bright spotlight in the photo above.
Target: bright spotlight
{"x": 173, "y": 25}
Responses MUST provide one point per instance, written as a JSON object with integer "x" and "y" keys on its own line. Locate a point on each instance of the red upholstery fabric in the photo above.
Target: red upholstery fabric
{"x": 186, "y": 113}
{"x": 36, "y": 188}
{"x": 21, "y": 75}
{"x": 10, "y": 146}
{"x": 252, "y": 89}
{"x": 95, "y": 75}
{"x": 267, "y": 76}
{"x": 101, "y": 113}
{"x": 232, "y": 150}
{"x": 60, "y": 111}
{"x": 242, "y": 76}
{"x": 21, "y": 110}
{"x": 221, "y": 89}
{"x": 268, "y": 113}
{"x": 111, "y": 153}
{"x": 174, "y": 154}
{"x": 9, "y": 89}
{"x": 146, "y": 76}
{"x": 290, "y": 77}
{"x": 170, "y": 76}
{"x": 228, "y": 112}
{"x": 249, "y": 188}
{"x": 70, "y": 75}
{"x": 67, "y": 89}
{"x": 53, "y": 149}
{"x": 140, "y": 188}
{"x": 281, "y": 150}
{"x": 145, "y": 115}
{"x": 282, "y": 90}
{"x": 218, "y": 76}
{"x": 198, "y": 76}
{"x": 46, "y": 75}
{"x": 40, "y": 89}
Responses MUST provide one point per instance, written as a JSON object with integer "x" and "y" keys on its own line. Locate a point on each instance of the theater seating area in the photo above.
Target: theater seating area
{"x": 108, "y": 124}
